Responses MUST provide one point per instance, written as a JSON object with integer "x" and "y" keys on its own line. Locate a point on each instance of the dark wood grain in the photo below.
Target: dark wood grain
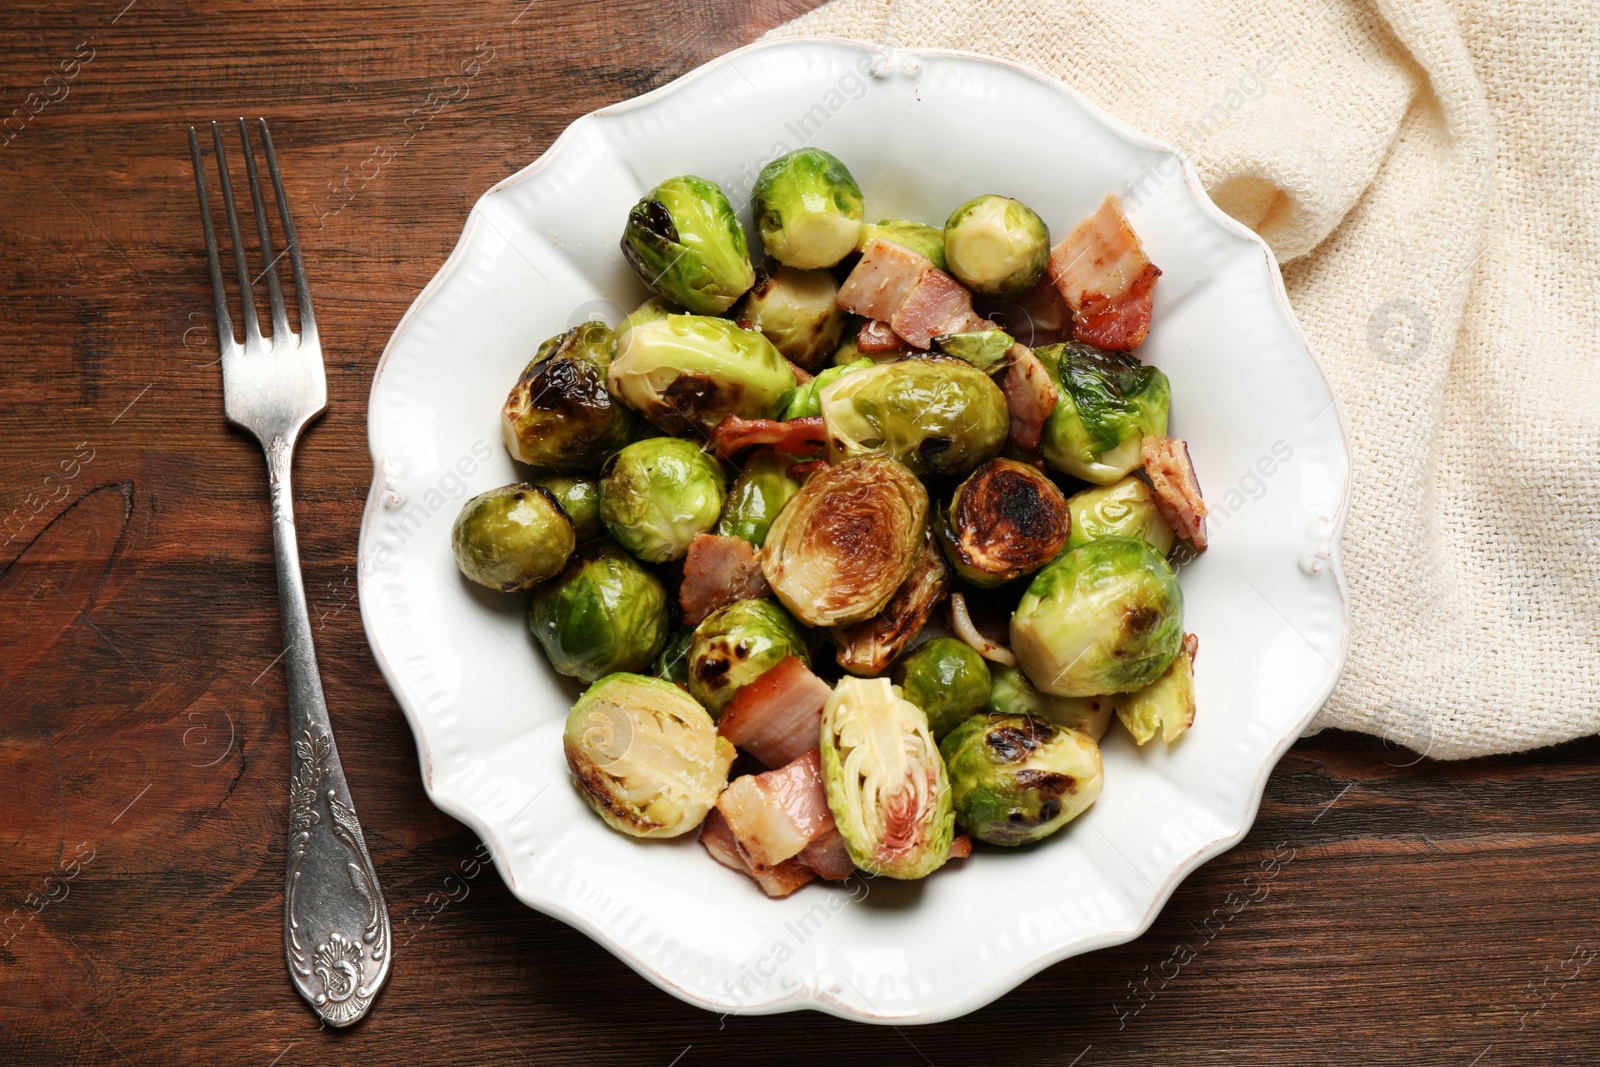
{"x": 1421, "y": 914}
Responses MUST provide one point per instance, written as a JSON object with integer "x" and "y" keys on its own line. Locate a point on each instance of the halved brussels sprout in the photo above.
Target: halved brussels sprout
{"x": 947, "y": 679}
{"x": 658, "y": 494}
{"x": 580, "y": 498}
{"x": 1124, "y": 509}
{"x": 985, "y": 349}
{"x": 924, "y": 240}
{"x": 685, "y": 241}
{"x": 885, "y": 782}
{"x": 758, "y": 494}
{"x": 797, "y": 312}
{"x": 737, "y": 644}
{"x": 1016, "y": 778}
{"x": 559, "y": 415}
{"x": 1010, "y": 693}
{"x": 1005, "y": 521}
{"x": 996, "y": 245}
{"x": 808, "y": 209}
{"x": 846, "y": 541}
{"x": 937, "y": 415}
{"x": 1166, "y": 703}
{"x": 804, "y": 403}
{"x": 604, "y": 613}
{"x": 1106, "y": 617}
{"x": 866, "y": 648}
{"x": 686, "y": 373}
{"x": 1110, "y": 402}
{"x": 512, "y": 538}
{"x": 673, "y": 663}
{"x": 645, "y": 756}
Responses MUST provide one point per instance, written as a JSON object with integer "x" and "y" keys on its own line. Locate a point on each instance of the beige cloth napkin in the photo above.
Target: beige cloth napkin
{"x": 1429, "y": 176}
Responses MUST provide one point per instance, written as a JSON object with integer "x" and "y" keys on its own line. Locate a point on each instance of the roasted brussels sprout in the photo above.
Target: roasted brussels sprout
{"x": 512, "y": 538}
{"x": 868, "y": 647}
{"x": 1004, "y": 521}
{"x": 797, "y": 312}
{"x": 737, "y": 644}
{"x": 846, "y": 541}
{"x": 936, "y": 415}
{"x": 1016, "y": 778}
{"x": 758, "y": 494}
{"x": 1106, "y": 617}
{"x": 924, "y": 240}
{"x": 885, "y": 782}
{"x": 1124, "y": 509}
{"x": 804, "y": 403}
{"x": 580, "y": 499}
{"x": 686, "y": 373}
{"x": 996, "y": 245}
{"x": 1166, "y": 703}
{"x": 985, "y": 349}
{"x": 649, "y": 311}
{"x": 673, "y": 663}
{"x": 685, "y": 241}
{"x": 1110, "y": 402}
{"x": 808, "y": 209}
{"x": 602, "y": 614}
{"x": 658, "y": 494}
{"x": 645, "y": 756}
{"x": 559, "y": 415}
{"x": 1010, "y": 693}
{"x": 947, "y": 679}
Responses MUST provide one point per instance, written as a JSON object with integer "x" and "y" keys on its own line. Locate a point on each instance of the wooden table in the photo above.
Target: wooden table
{"x": 1395, "y": 912}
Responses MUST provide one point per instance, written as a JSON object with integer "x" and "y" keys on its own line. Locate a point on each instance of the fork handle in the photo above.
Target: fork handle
{"x": 336, "y": 934}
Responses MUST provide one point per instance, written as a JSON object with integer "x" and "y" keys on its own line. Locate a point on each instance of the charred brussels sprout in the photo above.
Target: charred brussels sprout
{"x": 686, "y": 373}
{"x": 846, "y": 541}
{"x": 1010, "y": 693}
{"x": 985, "y": 349}
{"x": 658, "y": 494}
{"x": 685, "y": 241}
{"x": 604, "y": 613}
{"x": 512, "y": 538}
{"x": 1166, "y": 704}
{"x": 946, "y": 679}
{"x": 885, "y": 782}
{"x": 804, "y": 403}
{"x": 1110, "y": 402}
{"x": 808, "y": 209}
{"x": 1125, "y": 509}
{"x": 1106, "y": 617}
{"x": 758, "y": 494}
{"x": 797, "y": 312}
{"x": 737, "y": 644}
{"x": 645, "y": 756}
{"x": 996, "y": 245}
{"x": 1005, "y": 521}
{"x": 936, "y": 415}
{"x": 559, "y": 415}
{"x": 1016, "y": 778}
{"x": 580, "y": 499}
{"x": 673, "y": 663}
{"x": 924, "y": 240}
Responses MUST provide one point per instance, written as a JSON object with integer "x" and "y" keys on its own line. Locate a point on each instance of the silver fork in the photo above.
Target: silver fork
{"x": 335, "y": 925}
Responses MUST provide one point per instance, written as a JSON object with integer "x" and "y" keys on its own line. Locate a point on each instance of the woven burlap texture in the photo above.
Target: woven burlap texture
{"x": 1429, "y": 177}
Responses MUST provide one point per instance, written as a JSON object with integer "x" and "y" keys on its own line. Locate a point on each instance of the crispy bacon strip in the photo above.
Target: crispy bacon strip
{"x": 779, "y": 881}
{"x": 1106, "y": 279}
{"x": 868, "y": 647}
{"x": 1177, "y": 491}
{"x": 827, "y": 857}
{"x": 935, "y": 306}
{"x": 961, "y": 623}
{"x": 801, "y": 471}
{"x": 878, "y": 337}
{"x": 881, "y": 279}
{"x": 717, "y": 571}
{"x": 777, "y": 814}
{"x": 778, "y": 717}
{"x": 961, "y": 847}
{"x": 1030, "y": 395}
{"x": 797, "y": 437}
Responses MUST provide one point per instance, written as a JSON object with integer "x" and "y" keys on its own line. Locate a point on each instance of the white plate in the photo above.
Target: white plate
{"x": 922, "y": 131}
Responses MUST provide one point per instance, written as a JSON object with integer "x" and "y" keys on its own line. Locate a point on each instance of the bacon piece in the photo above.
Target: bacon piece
{"x": 1177, "y": 491}
{"x": 1036, "y": 318}
{"x": 797, "y": 437}
{"x": 778, "y": 717}
{"x": 877, "y": 338}
{"x": 827, "y": 857}
{"x": 868, "y": 647}
{"x": 961, "y": 847}
{"x": 801, "y": 375}
{"x": 1030, "y": 395}
{"x": 718, "y": 838}
{"x": 717, "y": 571}
{"x": 935, "y": 306}
{"x": 1106, "y": 279}
{"x": 776, "y": 814}
{"x": 1191, "y": 646}
{"x": 961, "y": 623}
{"x": 881, "y": 279}
{"x": 801, "y": 471}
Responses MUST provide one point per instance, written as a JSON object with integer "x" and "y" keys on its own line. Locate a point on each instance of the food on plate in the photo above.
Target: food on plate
{"x": 752, "y": 504}
{"x": 512, "y": 538}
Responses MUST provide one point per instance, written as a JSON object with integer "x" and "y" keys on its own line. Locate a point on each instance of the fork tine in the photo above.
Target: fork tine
{"x": 218, "y": 291}
{"x": 280, "y": 316}
{"x": 308, "y": 323}
{"x": 247, "y": 300}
